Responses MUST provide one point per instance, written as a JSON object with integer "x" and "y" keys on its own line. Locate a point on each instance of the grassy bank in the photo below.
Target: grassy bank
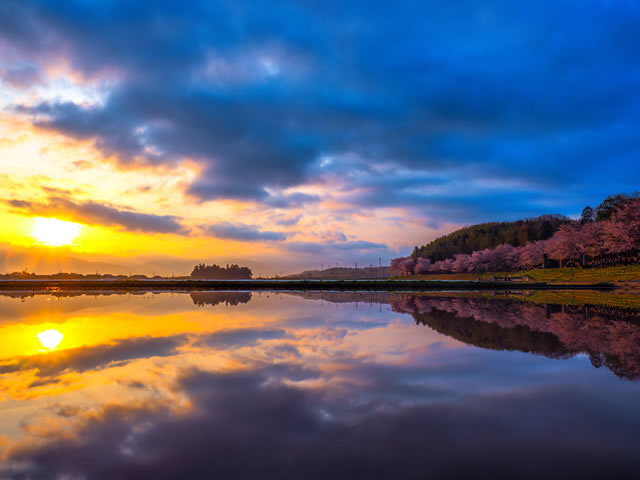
{"x": 552, "y": 275}
{"x": 616, "y": 298}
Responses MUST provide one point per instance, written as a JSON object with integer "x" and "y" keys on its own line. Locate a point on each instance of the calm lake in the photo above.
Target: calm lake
{"x": 319, "y": 385}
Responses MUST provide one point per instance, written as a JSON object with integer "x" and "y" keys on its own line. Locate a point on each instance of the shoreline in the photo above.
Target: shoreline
{"x": 274, "y": 285}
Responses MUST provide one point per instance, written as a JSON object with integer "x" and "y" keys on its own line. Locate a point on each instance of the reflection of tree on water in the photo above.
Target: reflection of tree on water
{"x": 214, "y": 298}
{"x": 492, "y": 336}
{"x": 608, "y": 335}
{"x": 600, "y": 311}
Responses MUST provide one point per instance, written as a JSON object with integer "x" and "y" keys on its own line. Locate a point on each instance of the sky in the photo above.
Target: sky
{"x": 287, "y": 135}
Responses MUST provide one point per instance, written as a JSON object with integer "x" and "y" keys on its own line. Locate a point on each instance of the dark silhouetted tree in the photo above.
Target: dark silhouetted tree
{"x": 588, "y": 215}
{"x": 215, "y": 272}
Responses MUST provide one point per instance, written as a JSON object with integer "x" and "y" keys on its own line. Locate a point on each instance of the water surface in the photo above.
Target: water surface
{"x": 319, "y": 385}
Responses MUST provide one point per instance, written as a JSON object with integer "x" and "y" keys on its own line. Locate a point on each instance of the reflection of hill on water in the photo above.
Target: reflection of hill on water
{"x": 606, "y": 334}
{"x": 609, "y": 334}
{"x": 214, "y": 298}
{"x": 491, "y": 335}
{"x": 345, "y": 297}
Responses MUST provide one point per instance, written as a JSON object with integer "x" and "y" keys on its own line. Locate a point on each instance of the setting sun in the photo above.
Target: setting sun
{"x": 54, "y": 232}
{"x": 50, "y": 338}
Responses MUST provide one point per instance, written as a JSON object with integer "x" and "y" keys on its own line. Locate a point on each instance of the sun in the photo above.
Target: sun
{"x": 50, "y": 338}
{"x": 54, "y": 232}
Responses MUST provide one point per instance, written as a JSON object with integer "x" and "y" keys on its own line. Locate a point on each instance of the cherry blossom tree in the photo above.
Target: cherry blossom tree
{"x": 616, "y": 238}
{"x": 406, "y": 266}
{"x": 461, "y": 263}
{"x": 532, "y": 255}
{"x": 501, "y": 258}
{"x": 422, "y": 266}
{"x": 446, "y": 266}
{"x": 443, "y": 266}
{"x": 590, "y": 239}
{"x": 613, "y": 239}
{"x": 622, "y": 232}
{"x": 396, "y": 265}
{"x": 480, "y": 260}
{"x": 402, "y": 266}
{"x": 563, "y": 246}
{"x": 435, "y": 267}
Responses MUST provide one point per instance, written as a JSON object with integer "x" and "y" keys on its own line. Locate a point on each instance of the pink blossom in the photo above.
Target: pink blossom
{"x": 422, "y": 266}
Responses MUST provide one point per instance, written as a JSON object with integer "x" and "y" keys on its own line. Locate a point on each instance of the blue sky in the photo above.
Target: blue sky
{"x": 432, "y": 113}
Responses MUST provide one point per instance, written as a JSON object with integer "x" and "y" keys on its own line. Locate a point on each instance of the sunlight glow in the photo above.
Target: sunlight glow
{"x": 50, "y": 338}
{"x": 54, "y": 232}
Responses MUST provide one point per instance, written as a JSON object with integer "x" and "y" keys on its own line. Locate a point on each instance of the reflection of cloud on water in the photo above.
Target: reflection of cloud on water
{"x": 83, "y": 359}
{"x": 254, "y": 423}
{"x": 240, "y": 337}
{"x": 311, "y": 388}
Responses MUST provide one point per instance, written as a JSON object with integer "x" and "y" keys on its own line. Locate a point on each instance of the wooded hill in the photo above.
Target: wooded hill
{"x": 490, "y": 235}
{"x": 518, "y": 233}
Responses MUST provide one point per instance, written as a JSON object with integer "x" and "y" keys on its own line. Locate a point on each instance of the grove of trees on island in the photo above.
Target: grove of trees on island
{"x": 605, "y": 236}
{"x": 216, "y": 272}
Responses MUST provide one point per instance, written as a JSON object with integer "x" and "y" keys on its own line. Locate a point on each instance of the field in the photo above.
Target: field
{"x": 630, "y": 273}
{"x": 617, "y": 298}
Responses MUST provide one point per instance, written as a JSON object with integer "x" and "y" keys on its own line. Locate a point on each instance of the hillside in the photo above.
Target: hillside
{"x": 518, "y": 233}
{"x": 490, "y": 235}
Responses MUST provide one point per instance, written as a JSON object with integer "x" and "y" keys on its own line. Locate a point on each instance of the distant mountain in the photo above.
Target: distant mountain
{"x": 490, "y": 235}
{"x": 45, "y": 260}
{"x": 341, "y": 273}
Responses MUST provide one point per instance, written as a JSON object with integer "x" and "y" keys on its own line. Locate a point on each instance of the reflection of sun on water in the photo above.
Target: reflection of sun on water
{"x": 54, "y": 232}
{"x": 50, "y": 338}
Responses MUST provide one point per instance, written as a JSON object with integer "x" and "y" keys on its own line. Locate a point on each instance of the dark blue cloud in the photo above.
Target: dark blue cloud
{"x": 329, "y": 252}
{"x": 540, "y": 98}
{"x": 241, "y": 337}
{"x": 244, "y": 233}
{"x": 317, "y": 247}
{"x": 102, "y": 214}
{"x": 21, "y": 76}
{"x": 284, "y": 220}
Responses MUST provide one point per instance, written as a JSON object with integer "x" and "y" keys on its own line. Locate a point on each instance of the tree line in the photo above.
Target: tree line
{"x": 605, "y": 236}
{"x": 216, "y": 272}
